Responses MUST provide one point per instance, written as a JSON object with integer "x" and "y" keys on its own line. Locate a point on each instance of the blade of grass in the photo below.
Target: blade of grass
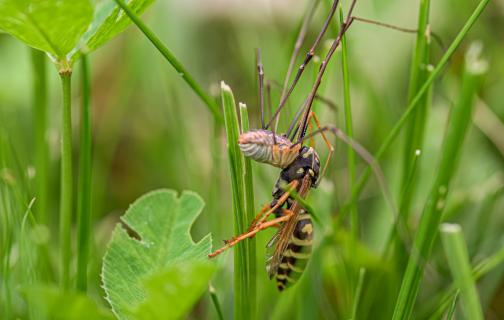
{"x": 84, "y": 198}
{"x": 249, "y": 212}
{"x": 215, "y": 302}
{"x": 442, "y": 301}
{"x": 414, "y": 102}
{"x": 458, "y": 259}
{"x": 415, "y": 128}
{"x": 451, "y": 312}
{"x": 170, "y": 57}
{"x": 66, "y": 179}
{"x": 40, "y": 130}
{"x": 243, "y": 308}
{"x": 358, "y": 291}
{"x": 436, "y": 201}
{"x": 354, "y": 217}
{"x": 354, "y": 214}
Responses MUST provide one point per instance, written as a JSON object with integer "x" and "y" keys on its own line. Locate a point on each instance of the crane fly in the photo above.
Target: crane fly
{"x": 290, "y": 248}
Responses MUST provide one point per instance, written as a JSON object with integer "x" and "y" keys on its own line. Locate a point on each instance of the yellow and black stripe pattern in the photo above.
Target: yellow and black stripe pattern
{"x": 297, "y": 252}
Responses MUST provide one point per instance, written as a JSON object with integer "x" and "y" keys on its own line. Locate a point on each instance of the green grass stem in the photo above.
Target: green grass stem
{"x": 451, "y": 312}
{"x": 84, "y": 197}
{"x": 414, "y": 135}
{"x": 436, "y": 72}
{"x": 66, "y": 180}
{"x": 458, "y": 260}
{"x": 170, "y": 57}
{"x": 243, "y": 254}
{"x": 459, "y": 121}
{"x": 347, "y": 104}
{"x": 358, "y": 292}
{"x": 249, "y": 211}
{"x": 415, "y": 129}
{"x": 40, "y": 133}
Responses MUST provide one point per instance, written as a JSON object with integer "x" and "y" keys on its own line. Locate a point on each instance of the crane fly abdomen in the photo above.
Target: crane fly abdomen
{"x": 297, "y": 253}
{"x": 260, "y": 146}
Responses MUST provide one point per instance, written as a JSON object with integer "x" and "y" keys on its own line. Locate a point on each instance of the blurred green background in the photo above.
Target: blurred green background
{"x": 151, "y": 131}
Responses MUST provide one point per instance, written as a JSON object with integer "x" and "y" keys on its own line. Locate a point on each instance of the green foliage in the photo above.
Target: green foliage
{"x": 51, "y": 303}
{"x": 48, "y": 25}
{"x": 162, "y": 221}
{"x": 172, "y": 292}
{"x": 109, "y": 21}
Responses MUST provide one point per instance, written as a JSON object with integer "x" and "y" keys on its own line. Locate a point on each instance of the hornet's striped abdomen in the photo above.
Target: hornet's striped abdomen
{"x": 260, "y": 146}
{"x": 297, "y": 252}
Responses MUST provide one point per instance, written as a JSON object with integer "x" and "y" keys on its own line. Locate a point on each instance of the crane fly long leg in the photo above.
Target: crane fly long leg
{"x": 312, "y": 139}
{"x": 329, "y": 145}
{"x": 303, "y": 65}
{"x": 322, "y": 69}
{"x": 260, "y": 78}
{"x": 259, "y": 215}
{"x": 261, "y": 226}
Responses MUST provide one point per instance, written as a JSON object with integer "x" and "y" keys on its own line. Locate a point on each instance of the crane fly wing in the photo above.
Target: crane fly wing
{"x": 271, "y": 249}
{"x": 278, "y": 244}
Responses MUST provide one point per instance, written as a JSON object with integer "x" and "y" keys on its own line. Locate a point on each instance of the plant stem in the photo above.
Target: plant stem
{"x": 84, "y": 197}
{"x": 66, "y": 179}
{"x": 170, "y": 57}
{"x": 243, "y": 254}
{"x": 431, "y": 217}
{"x": 414, "y": 102}
{"x": 40, "y": 129}
{"x": 458, "y": 260}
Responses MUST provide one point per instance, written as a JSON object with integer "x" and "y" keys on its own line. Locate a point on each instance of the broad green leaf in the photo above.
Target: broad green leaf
{"x": 162, "y": 221}
{"x": 109, "y": 21}
{"x": 53, "y": 26}
{"x": 52, "y": 303}
{"x": 172, "y": 293}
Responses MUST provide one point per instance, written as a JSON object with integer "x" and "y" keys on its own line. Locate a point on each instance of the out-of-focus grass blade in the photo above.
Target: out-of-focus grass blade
{"x": 436, "y": 201}
{"x": 358, "y": 291}
{"x": 458, "y": 260}
{"x": 40, "y": 134}
{"x": 451, "y": 312}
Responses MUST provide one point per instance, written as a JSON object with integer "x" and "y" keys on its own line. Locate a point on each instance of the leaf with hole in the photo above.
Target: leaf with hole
{"x": 162, "y": 222}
